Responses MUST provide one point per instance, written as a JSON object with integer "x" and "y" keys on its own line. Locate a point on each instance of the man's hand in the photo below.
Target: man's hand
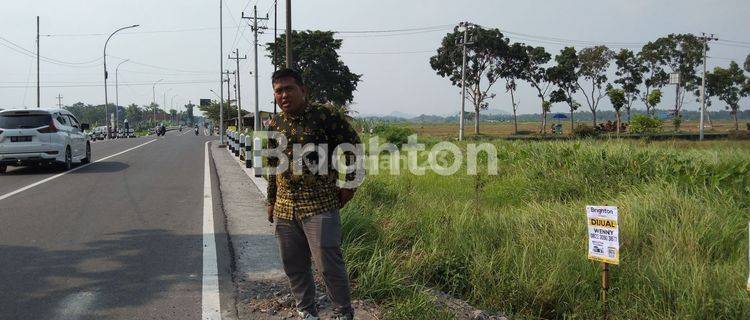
{"x": 270, "y": 213}
{"x": 345, "y": 195}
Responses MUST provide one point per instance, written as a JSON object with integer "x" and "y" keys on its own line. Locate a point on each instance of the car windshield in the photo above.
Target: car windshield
{"x": 24, "y": 121}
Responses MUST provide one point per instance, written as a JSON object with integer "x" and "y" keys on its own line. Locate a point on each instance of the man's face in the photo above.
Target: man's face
{"x": 289, "y": 95}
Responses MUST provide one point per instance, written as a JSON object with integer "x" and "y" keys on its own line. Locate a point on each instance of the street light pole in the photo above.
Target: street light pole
{"x": 153, "y": 97}
{"x": 106, "y": 99}
{"x": 221, "y": 73}
{"x": 117, "y": 89}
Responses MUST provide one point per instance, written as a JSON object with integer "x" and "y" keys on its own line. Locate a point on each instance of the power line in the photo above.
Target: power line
{"x": 101, "y": 85}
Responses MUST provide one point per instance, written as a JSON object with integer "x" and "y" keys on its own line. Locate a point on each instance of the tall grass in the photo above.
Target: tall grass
{"x": 519, "y": 247}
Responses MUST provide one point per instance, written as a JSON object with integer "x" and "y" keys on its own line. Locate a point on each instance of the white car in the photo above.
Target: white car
{"x": 41, "y": 137}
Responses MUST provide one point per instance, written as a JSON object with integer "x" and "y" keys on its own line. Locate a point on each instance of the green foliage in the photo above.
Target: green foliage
{"x": 645, "y": 124}
{"x": 483, "y": 67}
{"x": 654, "y": 98}
{"x": 617, "y": 98}
{"x": 683, "y": 225}
{"x": 211, "y": 111}
{"x": 582, "y": 130}
{"x": 329, "y": 80}
{"x": 392, "y": 133}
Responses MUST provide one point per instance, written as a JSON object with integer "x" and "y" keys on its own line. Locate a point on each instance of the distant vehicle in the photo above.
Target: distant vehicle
{"x": 98, "y": 133}
{"x": 42, "y": 137}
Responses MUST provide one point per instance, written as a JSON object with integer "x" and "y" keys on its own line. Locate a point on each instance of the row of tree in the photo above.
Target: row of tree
{"x": 137, "y": 116}
{"x": 491, "y": 57}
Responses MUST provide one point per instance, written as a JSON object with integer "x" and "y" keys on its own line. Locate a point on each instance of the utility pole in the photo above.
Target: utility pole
{"x": 705, "y": 40}
{"x": 59, "y": 100}
{"x": 275, "y": 30}
{"x": 288, "y": 33}
{"x": 463, "y": 43}
{"x": 239, "y": 99}
{"x": 38, "y": 88}
{"x": 229, "y": 88}
{"x": 221, "y": 74}
{"x": 256, "y": 115}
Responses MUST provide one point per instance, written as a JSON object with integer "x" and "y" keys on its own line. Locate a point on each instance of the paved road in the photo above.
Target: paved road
{"x": 122, "y": 238}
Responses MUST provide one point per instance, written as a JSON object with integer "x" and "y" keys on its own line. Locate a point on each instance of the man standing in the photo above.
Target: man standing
{"x": 305, "y": 200}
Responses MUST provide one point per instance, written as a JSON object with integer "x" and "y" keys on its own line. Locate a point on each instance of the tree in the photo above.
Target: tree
{"x": 654, "y": 98}
{"x": 511, "y": 68}
{"x": 537, "y": 76}
{"x": 211, "y": 111}
{"x": 564, "y": 76}
{"x": 189, "y": 108}
{"x": 594, "y": 62}
{"x": 682, "y": 53}
{"x": 729, "y": 85}
{"x": 630, "y": 71}
{"x": 618, "y": 100}
{"x": 329, "y": 80}
{"x": 134, "y": 114}
{"x": 654, "y": 74}
{"x": 483, "y": 56}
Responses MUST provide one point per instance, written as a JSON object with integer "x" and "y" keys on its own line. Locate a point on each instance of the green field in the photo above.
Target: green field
{"x": 516, "y": 242}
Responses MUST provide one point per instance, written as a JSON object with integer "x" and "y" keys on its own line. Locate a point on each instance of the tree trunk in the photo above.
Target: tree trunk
{"x": 477, "y": 105}
{"x": 617, "y": 113}
{"x": 544, "y": 119}
{"x": 515, "y": 122}
{"x": 593, "y": 113}
{"x": 571, "y": 121}
{"x": 736, "y": 124}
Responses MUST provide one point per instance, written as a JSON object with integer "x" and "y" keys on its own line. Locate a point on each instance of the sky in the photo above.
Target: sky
{"x": 178, "y": 41}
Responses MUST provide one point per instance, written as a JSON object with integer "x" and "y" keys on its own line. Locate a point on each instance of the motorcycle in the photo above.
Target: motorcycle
{"x": 196, "y": 131}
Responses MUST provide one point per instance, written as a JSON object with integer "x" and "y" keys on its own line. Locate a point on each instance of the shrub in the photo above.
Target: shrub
{"x": 583, "y": 130}
{"x": 645, "y": 124}
{"x": 395, "y": 134}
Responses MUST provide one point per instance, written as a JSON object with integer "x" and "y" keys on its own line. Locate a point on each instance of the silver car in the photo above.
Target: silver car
{"x": 42, "y": 137}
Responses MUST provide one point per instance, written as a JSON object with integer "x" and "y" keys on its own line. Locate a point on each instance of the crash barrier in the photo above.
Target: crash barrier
{"x": 245, "y": 145}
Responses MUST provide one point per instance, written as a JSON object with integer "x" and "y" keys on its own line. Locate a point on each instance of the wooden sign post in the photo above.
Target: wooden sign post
{"x": 604, "y": 243}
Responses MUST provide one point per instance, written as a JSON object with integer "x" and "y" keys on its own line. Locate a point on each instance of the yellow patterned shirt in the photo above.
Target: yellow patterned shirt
{"x": 298, "y": 194}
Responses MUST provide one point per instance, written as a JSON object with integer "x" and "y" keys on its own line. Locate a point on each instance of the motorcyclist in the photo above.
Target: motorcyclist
{"x": 196, "y": 129}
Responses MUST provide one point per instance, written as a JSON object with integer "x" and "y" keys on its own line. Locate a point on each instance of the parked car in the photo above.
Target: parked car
{"x": 42, "y": 137}
{"x": 99, "y": 133}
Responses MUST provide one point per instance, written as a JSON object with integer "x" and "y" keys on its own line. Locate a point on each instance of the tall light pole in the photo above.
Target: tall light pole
{"x": 153, "y": 96}
{"x": 288, "y": 33}
{"x": 705, "y": 39}
{"x": 165, "y": 99}
{"x": 106, "y": 99}
{"x": 221, "y": 73}
{"x": 171, "y": 105}
{"x": 117, "y": 89}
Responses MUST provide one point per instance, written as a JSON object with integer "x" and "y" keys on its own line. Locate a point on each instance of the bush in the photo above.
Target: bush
{"x": 395, "y": 134}
{"x": 645, "y": 124}
{"x": 583, "y": 130}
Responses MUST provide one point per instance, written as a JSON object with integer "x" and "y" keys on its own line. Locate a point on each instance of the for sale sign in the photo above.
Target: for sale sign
{"x": 604, "y": 234}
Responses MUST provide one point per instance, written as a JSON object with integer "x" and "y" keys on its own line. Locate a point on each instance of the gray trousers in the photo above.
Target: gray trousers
{"x": 317, "y": 238}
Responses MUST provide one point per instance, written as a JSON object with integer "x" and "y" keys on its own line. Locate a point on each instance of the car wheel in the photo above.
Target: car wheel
{"x": 3, "y": 168}
{"x": 68, "y": 164}
{"x": 88, "y": 155}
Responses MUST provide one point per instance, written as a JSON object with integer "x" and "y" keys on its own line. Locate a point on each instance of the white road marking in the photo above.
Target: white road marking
{"x": 75, "y": 306}
{"x": 10, "y": 194}
{"x": 210, "y": 293}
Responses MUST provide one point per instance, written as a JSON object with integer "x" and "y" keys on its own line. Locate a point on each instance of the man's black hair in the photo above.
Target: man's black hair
{"x": 287, "y": 73}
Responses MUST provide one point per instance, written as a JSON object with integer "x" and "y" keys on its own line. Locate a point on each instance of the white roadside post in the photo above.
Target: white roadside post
{"x": 257, "y": 161}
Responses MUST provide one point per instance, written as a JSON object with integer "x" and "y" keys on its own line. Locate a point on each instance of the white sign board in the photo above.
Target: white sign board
{"x": 674, "y": 78}
{"x": 604, "y": 234}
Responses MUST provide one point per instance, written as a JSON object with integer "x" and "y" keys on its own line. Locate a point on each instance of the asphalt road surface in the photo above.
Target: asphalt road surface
{"x": 121, "y": 238}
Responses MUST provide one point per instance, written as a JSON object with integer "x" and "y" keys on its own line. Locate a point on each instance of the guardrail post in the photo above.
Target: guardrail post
{"x": 243, "y": 139}
{"x": 248, "y": 152}
{"x": 257, "y": 162}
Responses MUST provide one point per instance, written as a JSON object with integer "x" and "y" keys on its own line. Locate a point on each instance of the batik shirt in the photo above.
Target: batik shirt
{"x": 298, "y": 196}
